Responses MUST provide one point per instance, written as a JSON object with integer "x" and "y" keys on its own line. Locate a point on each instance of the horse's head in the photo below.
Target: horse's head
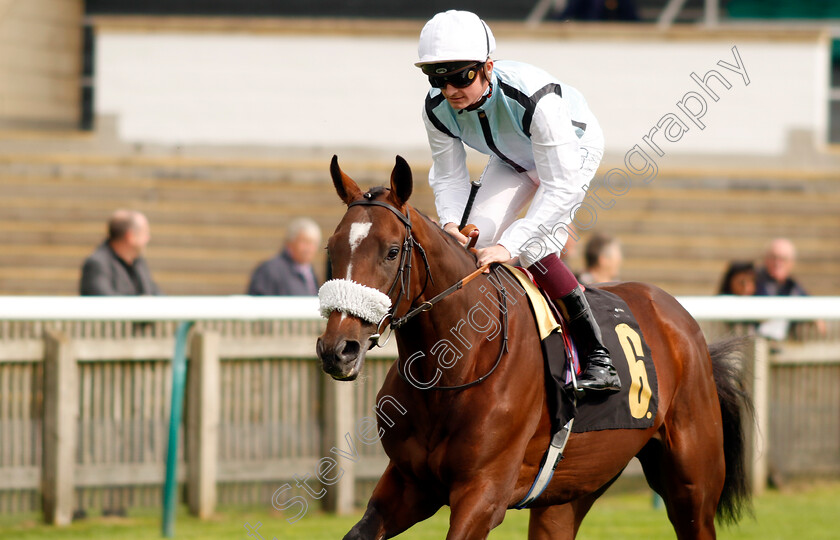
{"x": 370, "y": 252}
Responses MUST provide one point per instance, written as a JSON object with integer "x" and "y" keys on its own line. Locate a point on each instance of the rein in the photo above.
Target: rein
{"x": 502, "y": 350}
{"x": 403, "y": 278}
{"x": 429, "y": 304}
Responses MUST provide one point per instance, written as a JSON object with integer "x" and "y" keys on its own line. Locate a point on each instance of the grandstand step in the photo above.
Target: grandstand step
{"x": 191, "y": 186}
{"x": 70, "y": 287}
{"x": 160, "y": 258}
{"x": 210, "y": 169}
{"x": 823, "y": 223}
{"x": 32, "y": 208}
{"x": 181, "y": 190}
{"x": 65, "y": 281}
{"x": 48, "y": 235}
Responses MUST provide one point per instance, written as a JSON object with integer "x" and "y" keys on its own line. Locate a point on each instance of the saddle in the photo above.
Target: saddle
{"x": 634, "y": 407}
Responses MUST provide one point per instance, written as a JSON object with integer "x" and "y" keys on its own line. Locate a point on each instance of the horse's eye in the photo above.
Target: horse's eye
{"x": 392, "y": 253}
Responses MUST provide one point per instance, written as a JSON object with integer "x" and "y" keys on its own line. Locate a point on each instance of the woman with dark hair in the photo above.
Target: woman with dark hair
{"x": 739, "y": 279}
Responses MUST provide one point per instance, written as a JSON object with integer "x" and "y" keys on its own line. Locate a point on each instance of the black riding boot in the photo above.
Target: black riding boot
{"x": 598, "y": 373}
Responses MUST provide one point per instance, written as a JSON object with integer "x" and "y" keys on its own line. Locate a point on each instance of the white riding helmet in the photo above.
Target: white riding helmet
{"x": 455, "y": 36}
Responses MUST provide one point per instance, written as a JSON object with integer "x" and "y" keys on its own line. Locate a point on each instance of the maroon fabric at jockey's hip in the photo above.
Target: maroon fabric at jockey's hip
{"x": 553, "y": 276}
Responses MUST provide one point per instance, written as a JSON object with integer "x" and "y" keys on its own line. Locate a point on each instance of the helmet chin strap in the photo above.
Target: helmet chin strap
{"x": 484, "y": 98}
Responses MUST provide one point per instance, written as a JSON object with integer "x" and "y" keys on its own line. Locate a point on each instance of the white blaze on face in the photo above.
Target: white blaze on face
{"x": 358, "y": 232}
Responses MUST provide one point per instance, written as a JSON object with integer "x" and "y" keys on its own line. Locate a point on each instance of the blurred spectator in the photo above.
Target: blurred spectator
{"x": 599, "y": 10}
{"x": 775, "y": 279}
{"x": 290, "y": 272}
{"x": 117, "y": 267}
{"x": 602, "y": 256}
{"x": 739, "y": 279}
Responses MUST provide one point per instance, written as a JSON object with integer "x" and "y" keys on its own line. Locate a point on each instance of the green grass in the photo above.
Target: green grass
{"x": 803, "y": 513}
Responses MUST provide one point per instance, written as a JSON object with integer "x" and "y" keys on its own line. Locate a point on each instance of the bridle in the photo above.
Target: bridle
{"x": 403, "y": 277}
{"x": 403, "y": 280}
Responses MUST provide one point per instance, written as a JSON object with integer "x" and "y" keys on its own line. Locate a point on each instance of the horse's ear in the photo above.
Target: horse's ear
{"x": 401, "y": 183}
{"x": 345, "y": 186}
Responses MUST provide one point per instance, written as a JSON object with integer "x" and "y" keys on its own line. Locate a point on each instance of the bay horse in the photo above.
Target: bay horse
{"x": 474, "y": 420}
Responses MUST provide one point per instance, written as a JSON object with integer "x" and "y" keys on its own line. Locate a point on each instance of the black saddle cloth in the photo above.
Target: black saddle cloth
{"x": 635, "y": 405}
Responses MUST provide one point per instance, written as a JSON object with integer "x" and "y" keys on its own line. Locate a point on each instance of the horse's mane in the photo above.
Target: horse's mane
{"x": 447, "y": 237}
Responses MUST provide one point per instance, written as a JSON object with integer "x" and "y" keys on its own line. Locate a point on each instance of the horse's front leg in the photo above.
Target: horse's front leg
{"x": 552, "y": 523}
{"x": 561, "y": 521}
{"x": 397, "y": 503}
{"x": 477, "y": 508}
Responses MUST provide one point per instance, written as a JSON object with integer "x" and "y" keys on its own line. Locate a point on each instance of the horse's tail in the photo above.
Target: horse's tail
{"x": 736, "y": 410}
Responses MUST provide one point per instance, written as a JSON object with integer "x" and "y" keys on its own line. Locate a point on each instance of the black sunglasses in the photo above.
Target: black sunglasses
{"x": 459, "y": 75}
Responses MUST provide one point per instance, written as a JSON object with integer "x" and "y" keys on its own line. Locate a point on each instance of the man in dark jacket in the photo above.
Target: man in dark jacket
{"x": 775, "y": 278}
{"x": 290, "y": 272}
{"x": 117, "y": 267}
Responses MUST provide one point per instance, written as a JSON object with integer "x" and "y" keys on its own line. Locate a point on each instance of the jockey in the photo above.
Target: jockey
{"x": 544, "y": 146}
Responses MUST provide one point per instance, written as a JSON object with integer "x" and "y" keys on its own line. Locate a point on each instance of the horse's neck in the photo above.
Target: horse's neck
{"x": 445, "y": 332}
{"x": 449, "y": 262}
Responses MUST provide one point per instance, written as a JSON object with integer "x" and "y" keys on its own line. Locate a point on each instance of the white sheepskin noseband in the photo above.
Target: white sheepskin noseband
{"x": 353, "y": 298}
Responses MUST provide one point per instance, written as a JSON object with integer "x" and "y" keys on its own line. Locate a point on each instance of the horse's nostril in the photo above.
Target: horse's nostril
{"x": 351, "y": 350}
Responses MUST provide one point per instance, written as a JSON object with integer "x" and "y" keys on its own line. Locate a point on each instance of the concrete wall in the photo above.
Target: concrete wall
{"x": 40, "y": 62}
{"x": 289, "y": 87}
